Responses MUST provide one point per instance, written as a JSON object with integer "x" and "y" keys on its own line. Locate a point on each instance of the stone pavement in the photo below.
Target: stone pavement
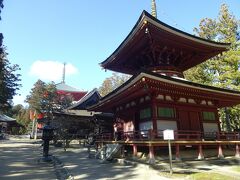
{"x": 78, "y": 164}
{"x": 19, "y": 160}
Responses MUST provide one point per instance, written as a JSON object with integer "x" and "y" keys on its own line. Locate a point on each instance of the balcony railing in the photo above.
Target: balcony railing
{"x": 147, "y": 135}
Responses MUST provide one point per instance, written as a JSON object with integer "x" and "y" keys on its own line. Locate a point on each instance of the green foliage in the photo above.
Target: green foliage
{"x": 22, "y": 116}
{"x": 111, "y": 83}
{"x": 9, "y": 82}
{"x": 222, "y": 70}
{"x": 210, "y": 176}
{"x": 1, "y": 36}
{"x": 44, "y": 98}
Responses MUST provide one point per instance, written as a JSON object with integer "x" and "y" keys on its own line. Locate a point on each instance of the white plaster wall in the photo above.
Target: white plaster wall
{"x": 210, "y": 127}
{"x": 146, "y": 125}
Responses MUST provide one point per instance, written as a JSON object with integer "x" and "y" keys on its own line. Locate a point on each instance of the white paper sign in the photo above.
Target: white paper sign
{"x": 168, "y": 134}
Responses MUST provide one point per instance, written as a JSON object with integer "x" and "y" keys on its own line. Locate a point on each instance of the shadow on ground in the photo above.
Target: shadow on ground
{"x": 19, "y": 160}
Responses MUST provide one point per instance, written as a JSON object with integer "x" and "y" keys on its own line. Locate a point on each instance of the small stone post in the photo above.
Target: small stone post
{"x": 135, "y": 150}
{"x": 151, "y": 155}
{"x": 220, "y": 152}
{"x": 237, "y": 151}
{"x": 200, "y": 152}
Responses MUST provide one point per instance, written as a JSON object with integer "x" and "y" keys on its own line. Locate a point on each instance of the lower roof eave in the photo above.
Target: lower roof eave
{"x": 235, "y": 95}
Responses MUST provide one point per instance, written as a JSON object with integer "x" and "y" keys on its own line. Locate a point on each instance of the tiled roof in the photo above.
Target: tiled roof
{"x": 64, "y": 87}
{"x": 4, "y": 118}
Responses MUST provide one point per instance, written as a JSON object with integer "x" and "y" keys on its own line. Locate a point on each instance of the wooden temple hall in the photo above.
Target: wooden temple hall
{"x": 157, "y": 97}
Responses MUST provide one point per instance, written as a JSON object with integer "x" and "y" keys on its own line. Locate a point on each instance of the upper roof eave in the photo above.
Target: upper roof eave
{"x": 145, "y": 16}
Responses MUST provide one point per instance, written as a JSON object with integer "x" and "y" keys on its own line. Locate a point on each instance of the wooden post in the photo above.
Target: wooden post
{"x": 170, "y": 156}
{"x": 200, "y": 152}
{"x": 151, "y": 155}
{"x": 177, "y": 152}
{"x": 123, "y": 151}
{"x": 97, "y": 146}
{"x": 36, "y": 129}
{"x": 154, "y": 113}
{"x": 220, "y": 152}
{"x": 135, "y": 150}
{"x": 237, "y": 151}
{"x": 150, "y": 134}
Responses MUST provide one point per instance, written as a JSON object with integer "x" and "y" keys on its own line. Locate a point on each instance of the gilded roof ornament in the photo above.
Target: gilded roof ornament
{"x": 154, "y": 9}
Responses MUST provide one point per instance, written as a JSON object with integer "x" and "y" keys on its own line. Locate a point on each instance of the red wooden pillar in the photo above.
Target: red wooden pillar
{"x": 154, "y": 113}
{"x": 220, "y": 151}
{"x": 237, "y": 151}
{"x": 177, "y": 152}
{"x": 135, "y": 150}
{"x": 200, "y": 152}
{"x": 151, "y": 155}
{"x": 218, "y": 122}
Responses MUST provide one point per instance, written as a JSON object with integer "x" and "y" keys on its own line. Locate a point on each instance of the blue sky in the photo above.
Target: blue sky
{"x": 40, "y": 35}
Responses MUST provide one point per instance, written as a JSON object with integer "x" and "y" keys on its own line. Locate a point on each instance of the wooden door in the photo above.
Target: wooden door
{"x": 183, "y": 120}
{"x": 194, "y": 121}
{"x": 189, "y": 120}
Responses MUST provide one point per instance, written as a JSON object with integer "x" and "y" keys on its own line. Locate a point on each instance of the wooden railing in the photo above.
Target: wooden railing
{"x": 228, "y": 136}
{"x": 146, "y": 135}
{"x": 187, "y": 135}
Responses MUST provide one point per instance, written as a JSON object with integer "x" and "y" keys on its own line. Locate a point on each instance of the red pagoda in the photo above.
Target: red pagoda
{"x": 157, "y": 97}
{"x": 65, "y": 90}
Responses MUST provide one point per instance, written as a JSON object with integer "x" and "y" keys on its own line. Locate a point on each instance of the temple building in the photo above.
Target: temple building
{"x": 158, "y": 97}
{"x": 81, "y": 123}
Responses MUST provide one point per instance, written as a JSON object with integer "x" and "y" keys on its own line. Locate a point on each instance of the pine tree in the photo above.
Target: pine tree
{"x": 222, "y": 70}
{"x": 1, "y": 36}
{"x": 9, "y": 82}
{"x": 44, "y": 98}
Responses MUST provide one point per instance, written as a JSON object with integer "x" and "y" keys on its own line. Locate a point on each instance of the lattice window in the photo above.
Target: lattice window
{"x": 166, "y": 112}
{"x": 209, "y": 115}
{"x": 145, "y": 113}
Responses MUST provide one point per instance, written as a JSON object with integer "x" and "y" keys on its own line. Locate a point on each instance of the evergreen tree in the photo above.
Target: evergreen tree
{"x": 1, "y": 6}
{"x": 222, "y": 70}
{"x": 22, "y": 115}
{"x": 111, "y": 83}
{"x": 44, "y": 98}
{"x": 9, "y": 82}
{"x": 1, "y": 36}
